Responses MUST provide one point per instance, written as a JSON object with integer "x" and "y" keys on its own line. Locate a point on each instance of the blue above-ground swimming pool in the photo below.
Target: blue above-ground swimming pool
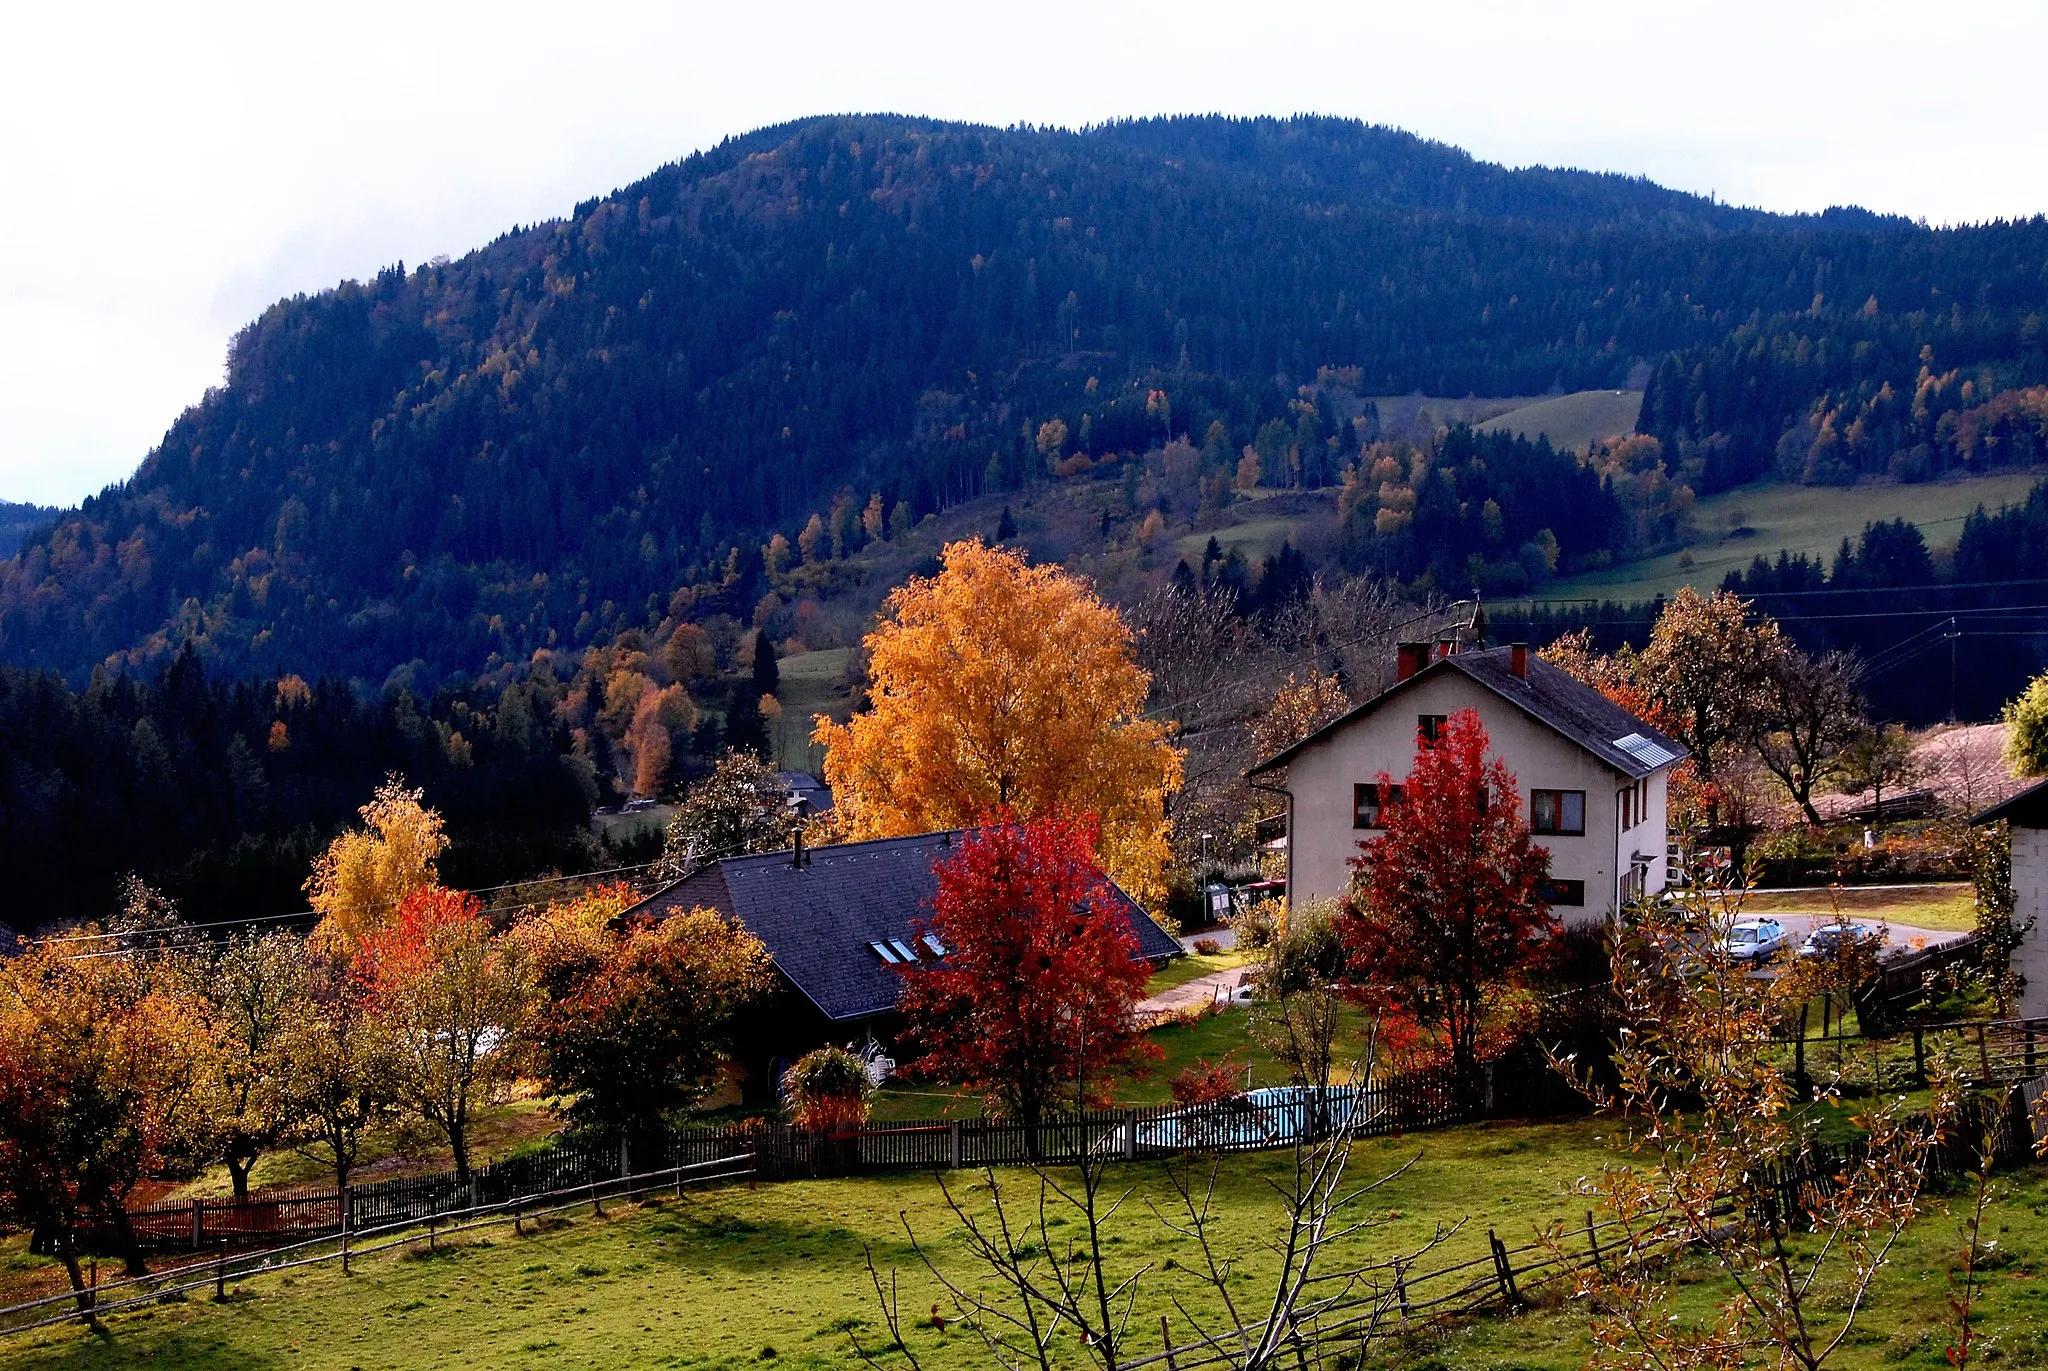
{"x": 1274, "y": 1116}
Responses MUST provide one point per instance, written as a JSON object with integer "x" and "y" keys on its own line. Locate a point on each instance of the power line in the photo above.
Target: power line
{"x": 1784, "y": 594}
{"x": 182, "y": 928}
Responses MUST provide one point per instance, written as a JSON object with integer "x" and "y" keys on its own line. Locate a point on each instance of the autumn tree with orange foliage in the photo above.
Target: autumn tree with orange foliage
{"x": 364, "y": 875}
{"x": 102, "y": 1070}
{"x": 456, "y": 1000}
{"x": 638, "y": 1023}
{"x": 1298, "y": 709}
{"x": 1033, "y": 1000}
{"x": 1000, "y": 685}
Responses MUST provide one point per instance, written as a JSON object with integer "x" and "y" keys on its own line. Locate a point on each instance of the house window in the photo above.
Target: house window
{"x": 1367, "y": 804}
{"x": 1429, "y": 727}
{"x": 1561, "y": 812}
{"x": 1634, "y": 804}
{"x": 1572, "y": 893}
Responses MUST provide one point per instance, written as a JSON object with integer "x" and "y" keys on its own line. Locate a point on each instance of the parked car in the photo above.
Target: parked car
{"x": 1832, "y": 940}
{"x": 1755, "y": 940}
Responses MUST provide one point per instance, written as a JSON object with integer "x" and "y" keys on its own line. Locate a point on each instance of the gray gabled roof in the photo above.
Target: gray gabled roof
{"x": 1547, "y": 694}
{"x": 818, "y": 920}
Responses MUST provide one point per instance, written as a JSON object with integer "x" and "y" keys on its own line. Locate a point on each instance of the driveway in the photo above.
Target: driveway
{"x": 1194, "y": 994}
{"x": 1898, "y": 937}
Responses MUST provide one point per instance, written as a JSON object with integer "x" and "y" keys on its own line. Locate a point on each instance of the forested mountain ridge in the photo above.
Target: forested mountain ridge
{"x": 17, "y": 521}
{"x": 535, "y": 445}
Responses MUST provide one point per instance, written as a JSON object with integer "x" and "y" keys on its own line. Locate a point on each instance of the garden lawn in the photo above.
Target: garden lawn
{"x": 723, "y": 1277}
{"x": 1948, "y": 907}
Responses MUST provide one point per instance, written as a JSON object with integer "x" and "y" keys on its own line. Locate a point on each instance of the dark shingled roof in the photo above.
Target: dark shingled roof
{"x": 1550, "y": 696}
{"x": 2028, "y": 809}
{"x": 818, "y": 919}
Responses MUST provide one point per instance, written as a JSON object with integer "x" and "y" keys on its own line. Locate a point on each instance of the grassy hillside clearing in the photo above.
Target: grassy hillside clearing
{"x": 812, "y": 683}
{"x": 1573, "y": 421}
{"x": 1737, "y": 526}
{"x": 742, "y": 1277}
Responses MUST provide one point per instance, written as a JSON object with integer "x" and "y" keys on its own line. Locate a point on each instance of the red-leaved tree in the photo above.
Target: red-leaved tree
{"x": 1447, "y": 912}
{"x": 1033, "y": 999}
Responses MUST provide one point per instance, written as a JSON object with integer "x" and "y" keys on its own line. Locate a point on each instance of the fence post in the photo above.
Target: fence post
{"x": 953, "y": 1144}
{"x": 596, "y": 1200}
{"x": 1504, "y": 1271}
{"x": 1799, "y": 1084}
{"x": 198, "y": 1224}
{"x": 2030, "y": 1051}
{"x": 1166, "y": 1339}
{"x": 220, "y": 1272}
{"x": 625, "y": 1166}
{"x": 1401, "y": 1286}
{"x": 1593, "y": 1243}
{"x": 1919, "y": 1057}
{"x": 347, "y": 1222}
{"x": 1130, "y": 1135}
{"x": 1486, "y": 1106}
{"x": 1984, "y": 1053}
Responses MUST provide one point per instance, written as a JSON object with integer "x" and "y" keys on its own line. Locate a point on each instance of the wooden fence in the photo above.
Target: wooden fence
{"x": 1390, "y": 1298}
{"x": 1266, "y": 1119}
{"x": 349, "y": 1242}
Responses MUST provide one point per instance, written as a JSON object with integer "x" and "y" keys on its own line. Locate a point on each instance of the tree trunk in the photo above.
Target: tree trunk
{"x": 458, "y": 1143}
{"x": 67, "y": 1252}
{"x": 124, "y": 1237}
{"x": 239, "y": 1167}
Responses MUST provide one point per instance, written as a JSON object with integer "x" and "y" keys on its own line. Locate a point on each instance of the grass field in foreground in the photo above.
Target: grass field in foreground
{"x": 723, "y": 1277}
{"x": 776, "y": 1275}
{"x": 1809, "y": 519}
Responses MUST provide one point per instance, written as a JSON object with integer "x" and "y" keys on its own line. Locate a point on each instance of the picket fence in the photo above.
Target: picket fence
{"x": 1265, "y": 1119}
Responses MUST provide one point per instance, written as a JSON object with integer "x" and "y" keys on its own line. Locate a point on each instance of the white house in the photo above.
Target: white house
{"x": 2027, "y": 813}
{"x": 1592, "y": 775}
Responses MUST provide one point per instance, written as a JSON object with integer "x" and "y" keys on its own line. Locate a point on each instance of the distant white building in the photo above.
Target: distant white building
{"x": 1592, "y": 775}
{"x": 2027, "y": 813}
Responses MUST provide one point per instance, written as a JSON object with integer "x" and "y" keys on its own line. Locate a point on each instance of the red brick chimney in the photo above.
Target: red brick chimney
{"x": 1409, "y": 658}
{"x": 1518, "y": 660}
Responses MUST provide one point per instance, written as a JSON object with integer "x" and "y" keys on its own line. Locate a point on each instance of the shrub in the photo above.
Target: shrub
{"x": 827, "y": 1090}
{"x": 1207, "y": 947}
{"x": 1205, "y": 1082}
{"x": 1259, "y": 923}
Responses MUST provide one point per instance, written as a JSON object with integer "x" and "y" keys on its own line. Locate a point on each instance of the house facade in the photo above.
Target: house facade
{"x": 2026, "y": 814}
{"x": 1593, "y": 777}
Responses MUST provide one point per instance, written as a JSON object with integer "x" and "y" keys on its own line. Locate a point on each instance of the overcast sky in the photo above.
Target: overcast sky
{"x": 168, "y": 170}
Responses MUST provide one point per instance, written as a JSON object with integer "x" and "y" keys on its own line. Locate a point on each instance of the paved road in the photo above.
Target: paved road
{"x": 1898, "y": 936}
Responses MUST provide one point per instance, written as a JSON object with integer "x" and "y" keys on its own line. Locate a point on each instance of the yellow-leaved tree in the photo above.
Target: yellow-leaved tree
{"x": 997, "y": 684}
{"x": 360, "y": 880}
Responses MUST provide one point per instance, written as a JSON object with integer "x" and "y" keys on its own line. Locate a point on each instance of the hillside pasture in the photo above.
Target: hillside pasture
{"x": 1574, "y": 421}
{"x": 747, "y": 1277}
{"x": 1735, "y": 527}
